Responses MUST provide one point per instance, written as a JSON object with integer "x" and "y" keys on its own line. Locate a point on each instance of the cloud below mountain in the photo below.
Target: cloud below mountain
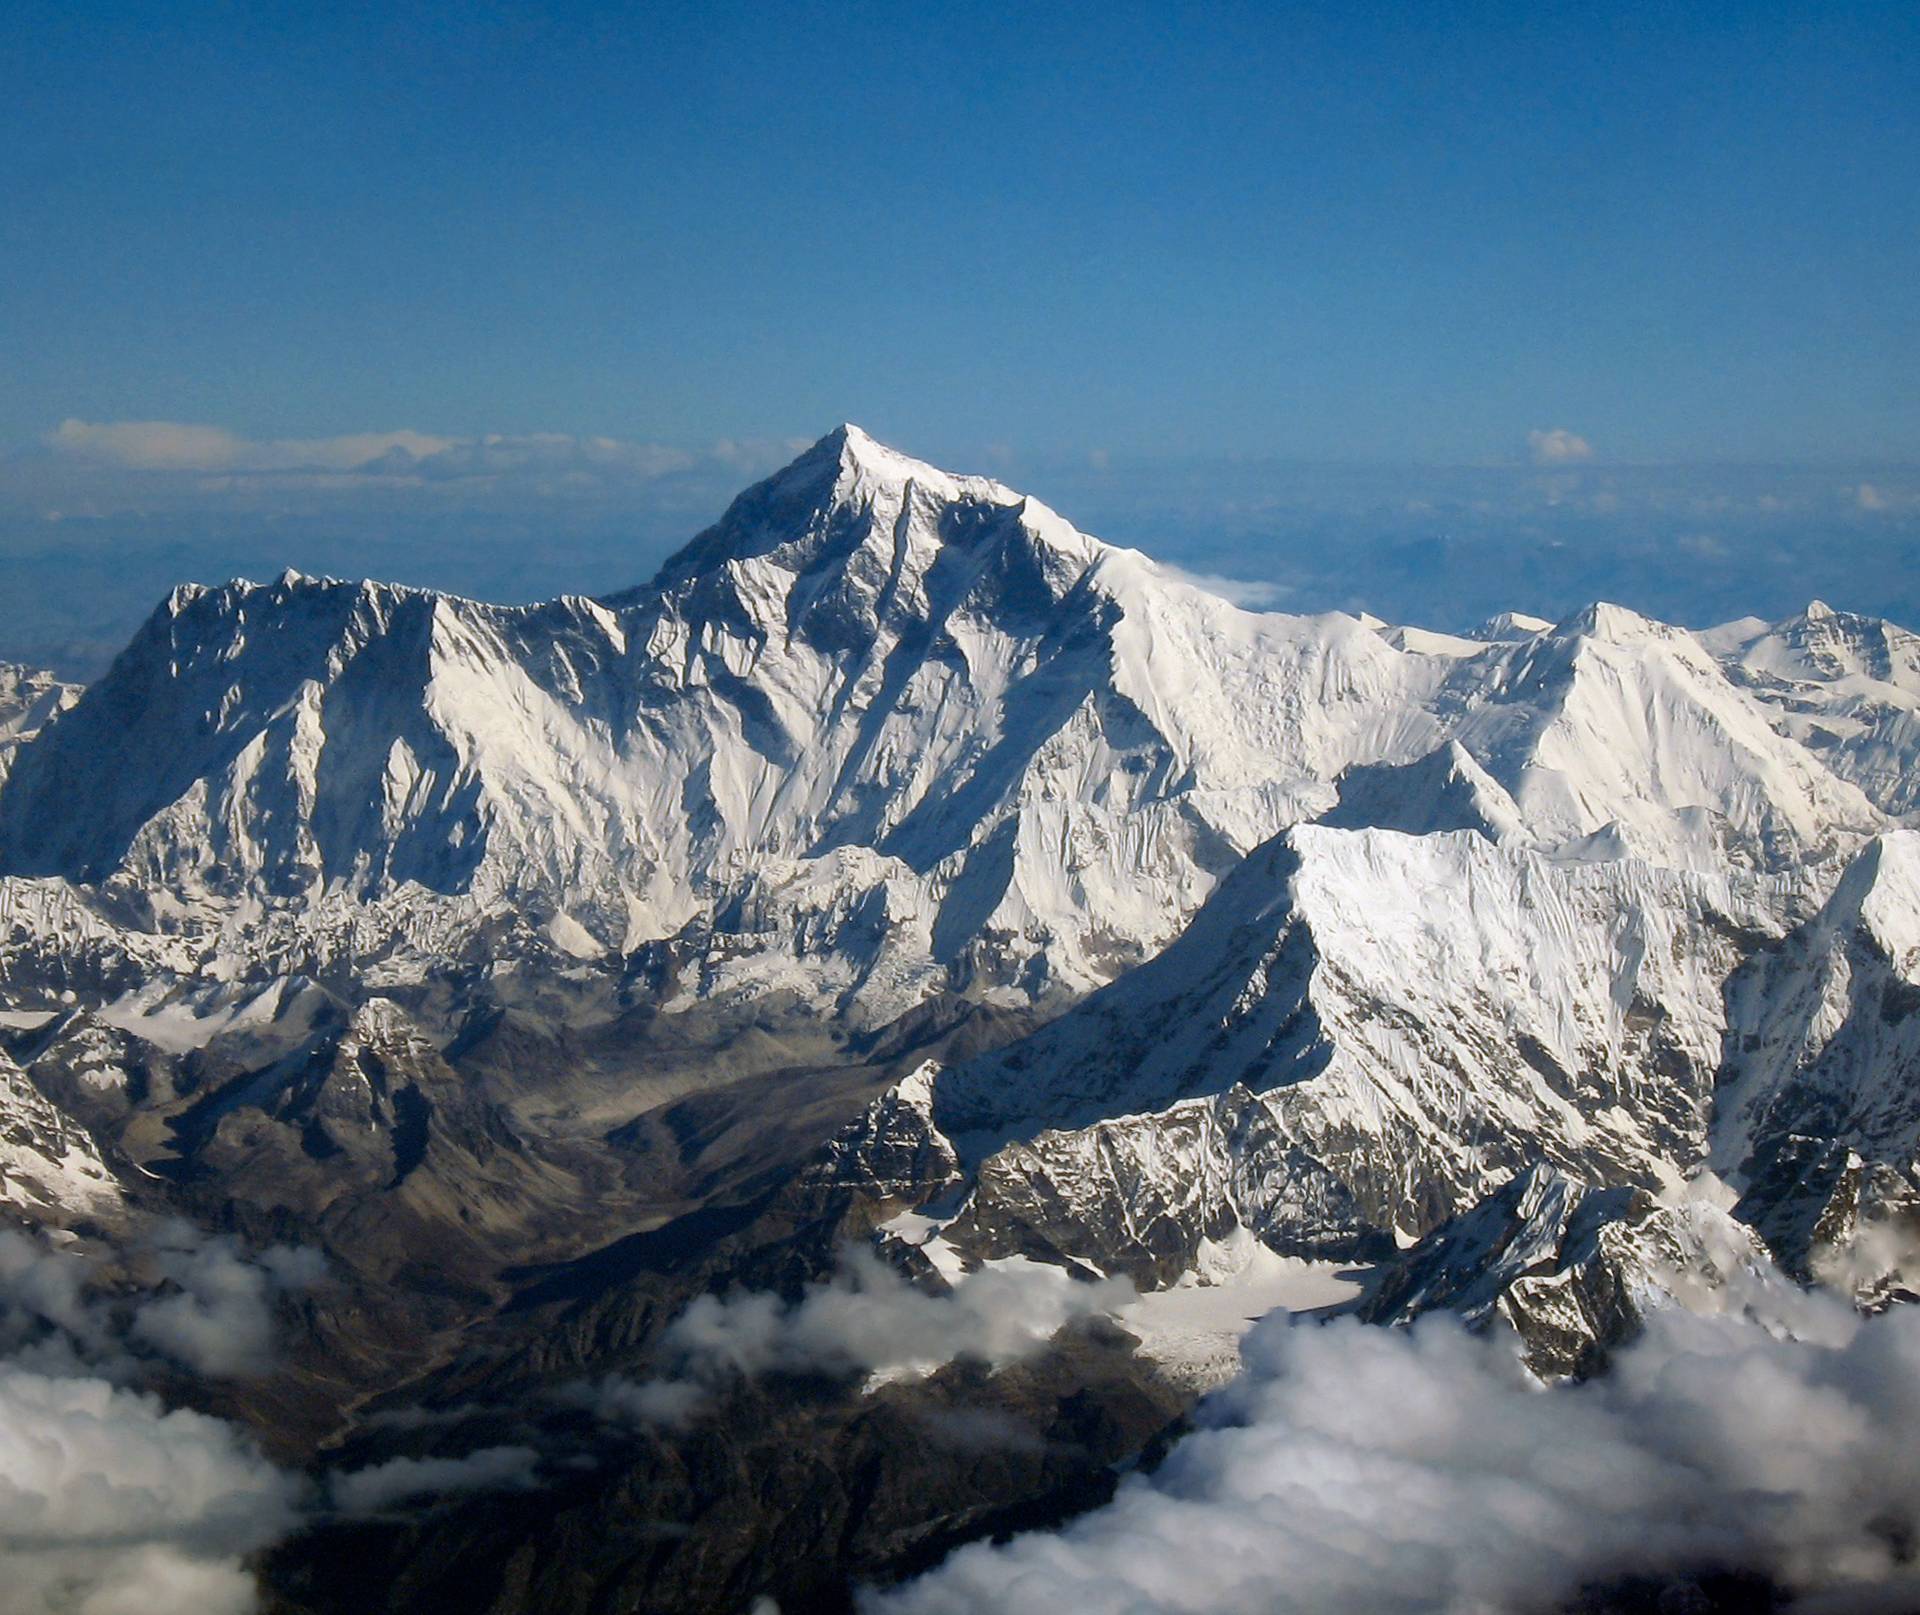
{"x": 1420, "y": 1472}
{"x": 370, "y": 1490}
{"x": 110, "y": 1503}
{"x": 866, "y": 1318}
{"x": 205, "y": 1304}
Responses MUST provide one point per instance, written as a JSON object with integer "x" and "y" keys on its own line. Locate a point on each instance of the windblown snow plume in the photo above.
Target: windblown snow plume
{"x": 1420, "y": 1471}
{"x": 867, "y": 1317}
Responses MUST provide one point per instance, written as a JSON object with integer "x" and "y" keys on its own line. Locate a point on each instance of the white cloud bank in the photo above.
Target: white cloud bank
{"x": 1356, "y": 1469}
{"x": 1557, "y": 446}
{"x": 109, "y": 1503}
{"x": 866, "y": 1318}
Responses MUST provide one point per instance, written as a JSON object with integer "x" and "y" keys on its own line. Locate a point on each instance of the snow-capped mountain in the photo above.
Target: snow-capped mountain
{"x": 902, "y": 863}
{"x": 1845, "y": 686}
{"x": 880, "y": 732}
{"x": 913, "y": 729}
{"x": 1351, "y": 923}
{"x": 1363, "y": 1033}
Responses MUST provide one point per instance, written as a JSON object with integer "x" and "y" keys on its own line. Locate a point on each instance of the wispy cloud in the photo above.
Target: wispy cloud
{"x": 1254, "y": 594}
{"x": 183, "y": 446}
{"x": 1555, "y": 445}
{"x": 202, "y": 1302}
{"x": 379, "y": 1487}
{"x": 186, "y": 446}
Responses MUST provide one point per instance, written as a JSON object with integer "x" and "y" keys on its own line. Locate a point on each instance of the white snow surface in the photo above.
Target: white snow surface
{"x": 1349, "y": 923}
{"x": 881, "y": 731}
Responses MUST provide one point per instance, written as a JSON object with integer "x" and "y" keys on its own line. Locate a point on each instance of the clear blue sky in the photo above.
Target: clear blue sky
{"x": 1345, "y": 231}
{"x": 1429, "y": 309}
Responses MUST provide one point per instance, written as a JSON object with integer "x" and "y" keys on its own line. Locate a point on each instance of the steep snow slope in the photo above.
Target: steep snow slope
{"x": 913, "y": 728}
{"x": 1360, "y": 1034}
{"x": 1616, "y": 734}
{"x": 1822, "y": 1125}
{"x": 1444, "y": 790}
{"x": 50, "y": 1166}
{"x": 1572, "y": 1268}
{"x": 29, "y": 700}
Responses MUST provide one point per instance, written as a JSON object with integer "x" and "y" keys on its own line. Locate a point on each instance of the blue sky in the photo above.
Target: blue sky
{"x": 1104, "y": 247}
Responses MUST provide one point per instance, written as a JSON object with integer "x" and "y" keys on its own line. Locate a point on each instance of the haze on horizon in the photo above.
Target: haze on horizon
{"x": 1430, "y": 314}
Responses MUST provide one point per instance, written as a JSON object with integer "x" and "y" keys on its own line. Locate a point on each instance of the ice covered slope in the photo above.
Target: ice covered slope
{"x": 912, "y": 728}
{"x": 1822, "y": 1124}
{"x": 50, "y": 1167}
{"x": 29, "y": 700}
{"x": 1614, "y": 733}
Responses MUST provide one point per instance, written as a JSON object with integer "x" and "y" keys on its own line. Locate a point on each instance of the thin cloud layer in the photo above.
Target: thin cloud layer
{"x": 1356, "y": 1469}
{"x": 184, "y": 447}
{"x": 1252, "y": 594}
{"x": 380, "y": 1486}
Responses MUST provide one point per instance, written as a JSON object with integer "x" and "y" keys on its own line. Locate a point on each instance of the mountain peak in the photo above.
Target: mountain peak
{"x": 858, "y": 452}
{"x": 847, "y": 483}
{"x": 1506, "y": 627}
{"x": 1606, "y": 621}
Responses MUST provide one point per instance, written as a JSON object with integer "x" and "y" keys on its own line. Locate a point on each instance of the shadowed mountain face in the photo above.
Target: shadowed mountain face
{"x": 650, "y": 1007}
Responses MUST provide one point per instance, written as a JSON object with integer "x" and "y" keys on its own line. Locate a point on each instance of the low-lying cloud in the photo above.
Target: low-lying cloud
{"x": 111, "y": 1504}
{"x": 380, "y": 1486}
{"x": 216, "y": 1316}
{"x": 1417, "y": 1472}
{"x": 866, "y": 1319}
{"x": 200, "y": 1301}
